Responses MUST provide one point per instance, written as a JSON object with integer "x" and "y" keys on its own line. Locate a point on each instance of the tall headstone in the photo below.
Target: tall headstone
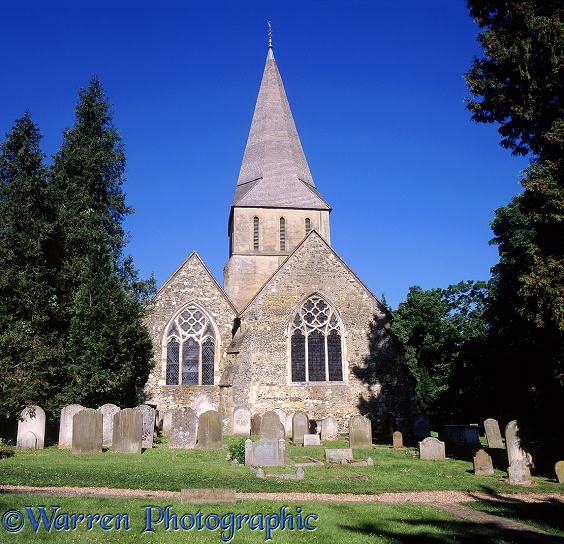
{"x": 421, "y": 427}
{"x": 271, "y": 427}
{"x": 65, "y": 425}
{"x": 87, "y": 431}
{"x": 203, "y": 402}
{"x": 108, "y": 412}
{"x": 360, "y": 432}
{"x": 493, "y": 434}
{"x": 256, "y": 421}
{"x": 209, "y": 431}
{"x": 242, "y": 420}
{"x": 397, "y": 440}
{"x": 148, "y": 414}
{"x": 329, "y": 428}
{"x": 300, "y": 426}
{"x": 483, "y": 465}
{"x": 288, "y": 423}
{"x": 516, "y": 442}
{"x": 282, "y": 415}
{"x": 432, "y": 449}
{"x": 127, "y": 431}
{"x": 166, "y": 422}
{"x": 183, "y": 428}
{"x": 559, "y": 469}
{"x": 31, "y": 428}
{"x": 519, "y": 473}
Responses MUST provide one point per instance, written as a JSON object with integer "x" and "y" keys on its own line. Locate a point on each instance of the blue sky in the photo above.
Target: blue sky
{"x": 377, "y": 93}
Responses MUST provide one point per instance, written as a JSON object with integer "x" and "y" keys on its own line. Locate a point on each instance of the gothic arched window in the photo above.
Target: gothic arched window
{"x": 256, "y": 234}
{"x": 316, "y": 343}
{"x": 307, "y": 225}
{"x": 282, "y": 234}
{"x": 190, "y": 349}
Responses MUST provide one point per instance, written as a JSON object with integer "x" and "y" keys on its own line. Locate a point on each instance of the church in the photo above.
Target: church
{"x": 292, "y": 327}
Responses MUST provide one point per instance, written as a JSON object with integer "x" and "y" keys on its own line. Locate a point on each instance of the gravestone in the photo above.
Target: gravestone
{"x": 65, "y": 425}
{"x": 282, "y": 415}
{"x": 209, "y": 431}
{"x": 256, "y": 421}
{"x": 329, "y": 428}
{"x": 559, "y": 469}
{"x": 493, "y": 434}
{"x": 516, "y": 442}
{"x": 462, "y": 435}
{"x": 242, "y": 420}
{"x": 338, "y": 455}
{"x": 32, "y": 420}
{"x": 87, "y": 431}
{"x": 203, "y": 402}
{"x": 519, "y": 473}
{"x": 397, "y": 440}
{"x": 311, "y": 440}
{"x": 108, "y": 412}
{"x": 421, "y": 427}
{"x": 127, "y": 436}
{"x": 300, "y": 426}
{"x": 271, "y": 427}
{"x": 288, "y": 423}
{"x": 183, "y": 428}
{"x": 265, "y": 452}
{"x": 360, "y": 432}
{"x": 148, "y": 414}
{"x": 432, "y": 449}
{"x": 483, "y": 465}
{"x": 166, "y": 422}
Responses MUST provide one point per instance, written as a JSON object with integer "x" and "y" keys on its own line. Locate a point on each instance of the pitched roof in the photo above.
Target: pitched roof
{"x": 274, "y": 172}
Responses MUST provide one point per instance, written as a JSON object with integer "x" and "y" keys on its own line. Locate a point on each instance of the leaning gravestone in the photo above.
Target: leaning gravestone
{"x": 209, "y": 431}
{"x": 516, "y": 439}
{"x": 360, "y": 432}
{"x": 242, "y": 420}
{"x": 432, "y": 449}
{"x": 397, "y": 440}
{"x": 329, "y": 428}
{"x": 87, "y": 431}
{"x": 559, "y": 469}
{"x": 65, "y": 425}
{"x": 202, "y": 403}
{"x": 265, "y": 452}
{"x": 300, "y": 426}
{"x": 519, "y": 473}
{"x": 183, "y": 428}
{"x": 271, "y": 426}
{"x": 421, "y": 427}
{"x": 127, "y": 434}
{"x": 148, "y": 414}
{"x": 31, "y": 428}
{"x": 493, "y": 434}
{"x": 108, "y": 412}
{"x": 483, "y": 465}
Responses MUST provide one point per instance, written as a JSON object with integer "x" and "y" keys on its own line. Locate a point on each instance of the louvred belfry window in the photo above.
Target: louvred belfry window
{"x": 190, "y": 349}
{"x": 316, "y": 343}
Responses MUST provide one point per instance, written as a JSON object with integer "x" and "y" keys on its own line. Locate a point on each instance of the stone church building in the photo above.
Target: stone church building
{"x": 293, "y": 327}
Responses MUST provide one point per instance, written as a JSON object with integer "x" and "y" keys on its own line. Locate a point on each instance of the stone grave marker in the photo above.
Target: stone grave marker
{"x": 127, "y": 434}
{"x": 282, "y": 415}
{"x": 242, "y": 420}
{"x": 432, "y": 449}
{"x": 31, "y": 428}
{"x": 397, "y": 440}
{"x": 183, "y": 428}
{"x": 338, "y": 455}
{"x": 108, "y": 412}
{"x": 493, "y": 434}
{"x": 483, "y": 465}
{"x": 300, "y": 426}
{"x": 256, "y": 421}
{"x": 265, "y": 452}
{"x": 462, "y": 435}
{"x": 559, "y": 469}
{"x": 311, "y": 440}
{"x": 271, "y": 427}
{"x": 288, "y": 423}
{"x": 516, "y": 440}
{"x": 87, "y": 431}
{"x": 360, "y": 432}
{"x": 65, "y": 425}
{"x": 148, "y": 413}
{"x": 329, "y": 428}
{"x": 519, "y": 473}
{"x": 203, "y": 402}
{"x": 209, "y": 431}
{"x": 421, "y": 427}
{"x": 166, "y": 422}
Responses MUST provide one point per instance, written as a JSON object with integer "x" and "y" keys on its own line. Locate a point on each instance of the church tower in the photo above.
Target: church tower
{"x": 276, "y": 203}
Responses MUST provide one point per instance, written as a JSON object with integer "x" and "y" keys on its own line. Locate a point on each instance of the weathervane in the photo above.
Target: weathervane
{"x": 269, "y": 34}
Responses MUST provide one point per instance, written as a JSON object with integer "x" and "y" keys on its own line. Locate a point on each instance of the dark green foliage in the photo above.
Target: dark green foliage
{"x": 237, "y": 450}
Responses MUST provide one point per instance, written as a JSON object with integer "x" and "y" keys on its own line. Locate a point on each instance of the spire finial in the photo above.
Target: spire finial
{"x": 269, "y": 34}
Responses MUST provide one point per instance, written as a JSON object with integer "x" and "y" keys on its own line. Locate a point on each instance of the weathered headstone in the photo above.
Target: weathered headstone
{"x": 183, "y": 428}
{"x": 282, "y": 415}
{"x": 432, "y": 449}
{"x": 338, "y": 455}
{"x": 271, "y": 426}
{"x": 32, "y": 420}
{"x": 242, "y": 420}
{"x": 311, "y": 440}
{"x": 288, "y": 424}
{"x": 65, "y": 425}
{"x": 516, "y": 441}
{"x": 209, "y": 431}
{"x": 108, "y": 412}
{"x": 256, "y": 421}
{"x": 360, "y": 432}
{"x": 493, "y": 434}
{"x": 166, "y": 422}
{"x": 421, "y": 427}
{"x": 559, "y": 469}
{"x": 329, "y": 428}
{"x": 148, "y": 414}
{"x": 87, "y": 431}
{"x": 519, "y": 473}
{"x": 300, "y": 426}
{"x": 203, "y": 402}
{"x": 127, "y": 434}
{"x": 397, "y": 440}
{"x": 483, "y": 465}
{"x": 265, "y": 452}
